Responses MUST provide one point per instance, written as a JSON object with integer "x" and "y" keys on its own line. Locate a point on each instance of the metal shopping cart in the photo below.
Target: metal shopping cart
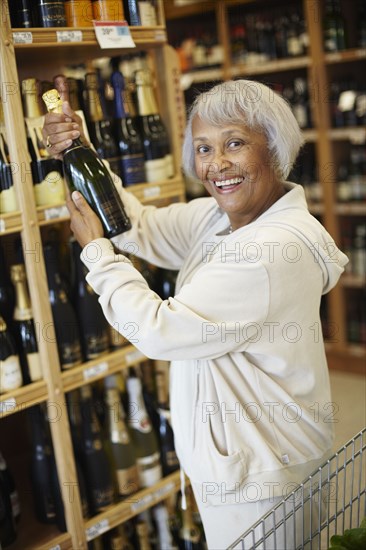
{"x": 328, "y": 502}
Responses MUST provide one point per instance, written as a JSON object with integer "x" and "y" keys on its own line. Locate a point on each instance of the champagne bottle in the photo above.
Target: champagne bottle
{"x": 79, "y": 13}
{"x": 143, "y": 436}
{"x": 117, "y": 539}
{"x": 158, "y": 159}
{"x": 94, "y": 458}
{"x": 8, "y": 199}
{"x": 94, "y": 332}
{"x": 85, "y": 172}
{"x": 21, "y": 14}
{"x": 169, "y": 457}
{"x": 141, "y": 12}
{"x": 108, "y": 10}
{"x": 9, "y": 482}
{"x": 47, "y": 174}
{"x": 189, "y": 533}
{"x": 64, "y": 317}
{"x": 123, "y": 452}
{"x": 165, "y": 538}
{"x": 51, "y": 13}
{"x": 41, "y": 467}
{"x": 24, "y": 326}
{"x": 7, "y": 524}
{"x": 99, "y": 126}
{"x": 142, "y": 532}
{"x": 10, "y": 370}
{"x": 127, "y": 135}
{"x": 7, "y": 297}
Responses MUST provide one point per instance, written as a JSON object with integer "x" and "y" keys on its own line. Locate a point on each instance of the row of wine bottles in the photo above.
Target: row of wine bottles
{"x": 79, "y": 326}
{"x": 354, "y": 245}
{"x": 335, "y": 34}
{"x": 116, "y": 453}
{"x": 356, "y": 318}
{"x": 132, "y": 138}
{"x": 81, "y": 13}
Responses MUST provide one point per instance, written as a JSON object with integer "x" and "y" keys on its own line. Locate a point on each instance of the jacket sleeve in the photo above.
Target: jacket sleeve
{"x": 161, "y": 236}
{"x": 220, "y": 311}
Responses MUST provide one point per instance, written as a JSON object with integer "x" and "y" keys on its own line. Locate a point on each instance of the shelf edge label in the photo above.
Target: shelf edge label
{"x": 7, "y": 406}
{"x": 95, "y": 370}
{"x": 150, "y": 192}
{"x": 23, "y": 37}
{"x": 97, "y": 529}
{"x": 2, "y": 226}
{"x": 56, "y": 212}
{"x": 113, "y": 34}
{"x": 69, "y": 36}
{"x": 134, "y": 356}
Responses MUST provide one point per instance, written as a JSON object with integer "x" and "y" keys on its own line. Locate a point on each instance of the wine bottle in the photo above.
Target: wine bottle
{"x": 79, "y": 13}
{"x": 47, "y": 173}
{"x": 8, "y": 199}
{"x": 116, "y": 539}
{"x": 334, "y": 27}
{"x": 7, "y": 524}
{"x": 165, "y": 283}
{"x": 95, "y": 462}
{"x": 10, "y": 370}
{"x": 127, "y": 135}
{"x": 85, "y": 172}
{"x": 9, "y": 482}
{"x": 123, "y": 452}
{"x": 108, "y": 10}
{"x": 141, "y": 12}
{"x": 189, "y": 533}
{"x": 169, "y": 457}
{"x": 41, "y": 467}
{"x": 142, "y": 532}
{"x": 64, "y": 317}
{"x": 7, "y": 297}
{"x": 143, "y": 436}
{"x": 99, "y": 126}
{"x": 51, "y": 13}
{"x": 24, "y": 326}
{"x": 158, "y": 159}
{"x": 165, "y": 537}
{"x": 94, "y": 332}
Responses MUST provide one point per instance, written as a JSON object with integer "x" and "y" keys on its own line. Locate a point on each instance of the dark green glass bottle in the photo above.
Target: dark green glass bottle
{"x": 85, "y": 172}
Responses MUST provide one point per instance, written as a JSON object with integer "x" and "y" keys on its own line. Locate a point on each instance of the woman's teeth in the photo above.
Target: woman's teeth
{"x": 227, "y": 183}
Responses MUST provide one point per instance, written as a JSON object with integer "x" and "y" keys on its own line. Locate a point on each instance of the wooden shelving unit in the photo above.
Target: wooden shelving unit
{"x": 319, "y": 68}
{"x": 42, "y": 53}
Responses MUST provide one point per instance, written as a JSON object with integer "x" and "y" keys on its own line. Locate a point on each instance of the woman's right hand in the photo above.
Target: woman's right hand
{"x": 60, "y": 129}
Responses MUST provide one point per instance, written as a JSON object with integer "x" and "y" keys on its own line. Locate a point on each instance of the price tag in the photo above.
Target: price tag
{"x": 151, "y": 191}
{"x": 8, "y": 405}
{"x": 160, "y": 36}
{"x": 2, "y": 225}
{"x": 134, "y": 356}
{"x": 69, "y": 36}
{"x": 24, "y": 37}
{"x": 357, "y": 136}
{"x": 142, "y": 503}
{"x": 97, "y": 529}
{"x": 165, "y": 490}
{"x": 96, "y": 370}
{"x": 57, "y": 547}
{"x": 56, "y": 212}
{"x": 113, "y": 34}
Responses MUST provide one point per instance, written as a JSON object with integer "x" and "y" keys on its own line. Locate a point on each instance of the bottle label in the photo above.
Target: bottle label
{"x": 147, "y": 14}
{"x": 171, "y": 458}
{"x": 10, "y": 374}
{"x": 128, "y": 480}
{"x": 294, "y": 46}
{"x": 51, "y": 190}
{"x": 34, "y": 365}
{"x": 96, "y": 344}
{"x": 15, "y": 506}
{"x": 169, "y": 165}
{"x": 52, "y": 14}
{"x": 70, "y": 354}
{"x": 300, "y": 115}
{"x": 156, "y": 170}
{"x": 139, "y": 420}
{"x": 149, "y": 469}
{"x": 8, "y": 201}
{"x": 133, "y": 169}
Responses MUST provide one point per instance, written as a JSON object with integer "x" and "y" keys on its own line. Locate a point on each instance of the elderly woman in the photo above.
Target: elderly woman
{"x": 250, "y": 398}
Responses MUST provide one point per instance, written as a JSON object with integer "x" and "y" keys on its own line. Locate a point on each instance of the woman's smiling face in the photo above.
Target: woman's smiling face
{"x": 235, "y": 167}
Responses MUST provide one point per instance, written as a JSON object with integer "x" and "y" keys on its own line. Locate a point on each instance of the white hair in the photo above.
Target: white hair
{"x": 256, "y": 106}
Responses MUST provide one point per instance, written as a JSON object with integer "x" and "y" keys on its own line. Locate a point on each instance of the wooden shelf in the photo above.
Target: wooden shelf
{"x": 147, "y": 193}
{"x": 275, "y": 66}
{"x": 310, "y": 135}
{"x": 22, "y": 398}
{"x": 353, "y": 281}
{"x": 104, "y": 365}
{"x": 354, "y": 134}
{"x": 351, "y": 209}
{"x": 137, "y": 503}
{"x": 345, "y": 56}
{"x": 201, "y": 75}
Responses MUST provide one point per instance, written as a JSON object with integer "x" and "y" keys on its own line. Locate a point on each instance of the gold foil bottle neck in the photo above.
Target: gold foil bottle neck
{"x": 53, "y": 101}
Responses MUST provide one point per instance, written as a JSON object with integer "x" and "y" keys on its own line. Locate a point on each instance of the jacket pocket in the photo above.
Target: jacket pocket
{"x": 210, "y": 465}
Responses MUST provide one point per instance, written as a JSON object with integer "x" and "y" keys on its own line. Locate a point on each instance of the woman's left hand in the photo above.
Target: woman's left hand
{"x": 85, "y": 224}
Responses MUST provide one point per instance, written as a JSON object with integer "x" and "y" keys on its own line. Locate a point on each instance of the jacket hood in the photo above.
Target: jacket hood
{"x": 298, "y": 220}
